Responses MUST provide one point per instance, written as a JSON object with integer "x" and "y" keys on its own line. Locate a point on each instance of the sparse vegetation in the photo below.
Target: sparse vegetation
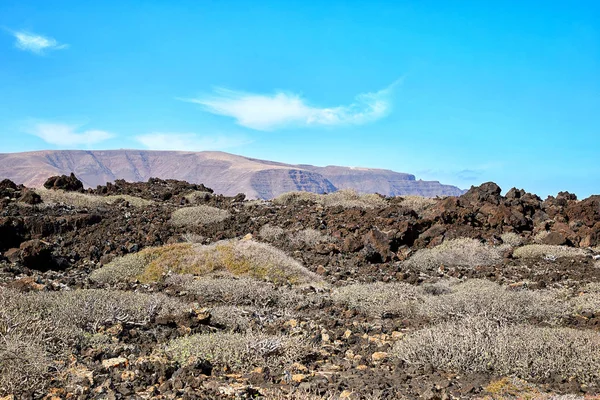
{"x": 310, "y": 237}
{"x": 463, "y": 252}
{"x": 192, "y": 217}
{"x": 242, "y": 319}
{"x": 547, "y": 251}
{"x": 84, "y": 200}
{"x": 239, "y": 352}
{"x": 478, "y": 345}
{"x": 380, "y": 299}
{"x": 419, "y": 204}
{"x": 477, "y": 297}
{"x": 345, "y": 198}
{"x": 242, "y": 291}
{"x": 511, "y": 239}
{"x": 271, "y": 233}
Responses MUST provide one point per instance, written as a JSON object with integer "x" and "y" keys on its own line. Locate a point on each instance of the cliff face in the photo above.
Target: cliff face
{"x": 225, "y": 173}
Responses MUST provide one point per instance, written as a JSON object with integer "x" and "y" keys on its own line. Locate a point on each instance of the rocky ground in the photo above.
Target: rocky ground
{"x": 350, "y": 329}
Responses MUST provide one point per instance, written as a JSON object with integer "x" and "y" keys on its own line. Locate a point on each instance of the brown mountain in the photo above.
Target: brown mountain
{"x": 225, "y": 173}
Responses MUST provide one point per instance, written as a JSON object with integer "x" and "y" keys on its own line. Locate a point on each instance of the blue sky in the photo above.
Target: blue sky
{"x": 462, "y": 92}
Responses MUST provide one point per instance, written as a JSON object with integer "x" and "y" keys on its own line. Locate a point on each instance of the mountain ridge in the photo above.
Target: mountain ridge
{"x": 225, "y": 173}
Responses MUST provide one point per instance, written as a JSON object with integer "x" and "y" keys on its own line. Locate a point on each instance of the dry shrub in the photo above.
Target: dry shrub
{"x": 29, "y": 345}
{"x": 90, "y": 309}
{"x": 547, "y": 251}
{"x": 192, "y": 238}
{"x": 310, "y": 237}
{"x": 419, "y": 204}
{"x": 148, "y": 264}
{"x": 479, "y": 345}
{"x": 540, "y": 236}
{"x": 345, "y": 198}
{"x": 380, "y": 299}
{"x": 512, "y": 239}
{"x": 84, "y": 200}
{"x": 239, "y": 257}
{"x": 198, "y": 196}
{"x": 239, "y": 352}
{"x": 242, "y": 319}
{"x": 271, "y": 233}
{"x": 241, "y": 291}
{"x": 192, "y": 217}
{"x": 477, "y": 297}
{"x": 462, "y": 252}
{"x": 588, "y": 300}
{"x": 254, "y": 259}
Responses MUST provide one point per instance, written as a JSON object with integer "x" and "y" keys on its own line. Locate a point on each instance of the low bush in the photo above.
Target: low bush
{"x": 239, "y": 352}
{"x": 419, "y": 204}
{"x": 192, "y": 217}
{"x": 238, "y": 257}
{"x": 84, "y": 200}
{"x": 345, "y": 198}
{"x": 587, "y": 301}
{"x": 242, "y": 319}
{"x": 547, "y": 251}
{"x": 477, "y": 297}
{"x": 380, "y": 299}
{"x": 241, "y": 291}
{"x": 310, "y": 237}
{"x": 271, "y": 233}
{"x": 512, "y": 239}
{"x": 479, "y": 345}
{"x": 463, "y": 252}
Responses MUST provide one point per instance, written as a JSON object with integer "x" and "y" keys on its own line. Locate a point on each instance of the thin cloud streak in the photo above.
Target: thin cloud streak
{"x": 188, "y": 141}
{"x": 280, "y": 110}
{"x": 36, "y": 44}
{"x": 66, "y": 135}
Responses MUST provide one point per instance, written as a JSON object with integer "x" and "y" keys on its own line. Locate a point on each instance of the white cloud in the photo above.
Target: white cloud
{"x": 280, "y": 110}
{"x": 188, "y": 141}
{"x": 66, "y": 135}
{"x": 36, "y": 43}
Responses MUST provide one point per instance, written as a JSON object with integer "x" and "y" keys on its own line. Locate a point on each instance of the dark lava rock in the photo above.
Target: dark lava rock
{"x": 37, "y": 254}
{"x": 31, "y": 197}
{"x": 67, "y": 183}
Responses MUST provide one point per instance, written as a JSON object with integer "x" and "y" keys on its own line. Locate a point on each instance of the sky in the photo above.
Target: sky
{"x": 463, "y": 92}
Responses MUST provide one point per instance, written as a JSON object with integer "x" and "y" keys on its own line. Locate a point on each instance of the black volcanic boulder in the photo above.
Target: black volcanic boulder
{"x": 67, "y": 183}
{"x": 487, "y": 192}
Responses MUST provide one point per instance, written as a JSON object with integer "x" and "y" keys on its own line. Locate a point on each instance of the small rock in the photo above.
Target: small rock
{"x": 379, "y": 356}
{"x": 115, "y": 362}
{"x": 298, "y": 378}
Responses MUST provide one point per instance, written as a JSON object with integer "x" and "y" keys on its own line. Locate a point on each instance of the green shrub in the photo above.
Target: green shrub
{"x": 463, "y": 252}
{"x": 479, "y": 345}
{"x": 192, "y": 217}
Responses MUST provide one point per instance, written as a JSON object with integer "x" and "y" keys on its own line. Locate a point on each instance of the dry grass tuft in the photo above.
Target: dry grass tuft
{"x": 239, "y": 352}
{"x": 192, "y": 217}
{"x": 463, "y": 252}
{"x": 271, "y": 233}
{"x": 478, "y": 345}
{"x": 380, "y": 299}
{"x": 84, "y": 200}
{"x": 547, "y": 251}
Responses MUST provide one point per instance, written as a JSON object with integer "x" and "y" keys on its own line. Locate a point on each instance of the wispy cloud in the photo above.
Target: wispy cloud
{"x": 67, "y": 135}
{"x": 36, "y": 44}
{"x": 280, "y": 110}
{"x": 188, "y": 141}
